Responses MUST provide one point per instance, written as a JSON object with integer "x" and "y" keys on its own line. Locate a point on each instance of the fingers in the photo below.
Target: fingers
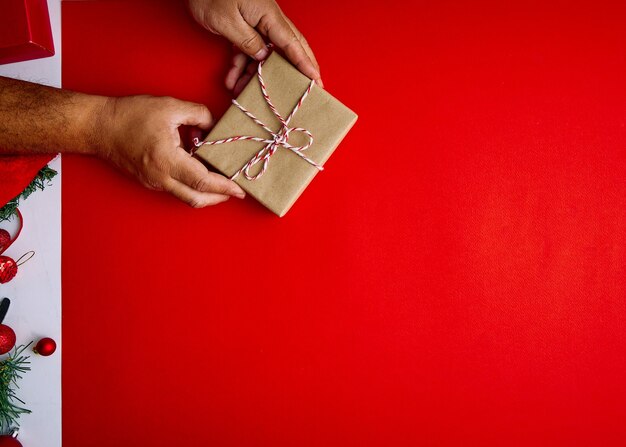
{"x": 193, "y": 114}
{"x": 196, "y": 186}
{"x": 192, "y": 173}
{"x": 239, "y": 65}
{"x": 306, "y": 47}
{"x": 279, "y": 32}
{"x": 187, "y": 178}
{"x": 240, "y": 73}
{"x": 193, "y": 197}
{"x": 244, "y": 79}
{"x": 246, "y": 38}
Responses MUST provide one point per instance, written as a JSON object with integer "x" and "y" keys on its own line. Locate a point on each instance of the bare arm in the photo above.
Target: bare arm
{"x": 138, "y": 134}
{"x": 39, "y": 119}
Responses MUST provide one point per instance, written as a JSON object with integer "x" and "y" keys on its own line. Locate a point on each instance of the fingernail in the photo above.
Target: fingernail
{"x": 320, "y": 83}
{"x": 261, "y": 54}
{"x": 240, "y": 195}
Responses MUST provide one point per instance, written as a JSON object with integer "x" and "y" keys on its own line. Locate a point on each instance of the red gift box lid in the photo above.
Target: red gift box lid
{"x": 25, "y": 31}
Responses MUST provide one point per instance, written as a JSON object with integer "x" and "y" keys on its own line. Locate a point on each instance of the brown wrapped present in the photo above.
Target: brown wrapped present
{"x": 273, "y": 154}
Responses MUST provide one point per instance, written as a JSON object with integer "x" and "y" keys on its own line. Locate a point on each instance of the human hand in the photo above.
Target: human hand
{"x": 243, "y": 22}
{"x": 139, "y": 134}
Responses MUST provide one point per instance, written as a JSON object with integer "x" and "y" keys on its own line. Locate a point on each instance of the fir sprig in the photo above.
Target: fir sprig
{"x": 41, "y": 180}
{"x": 11, "y": 370}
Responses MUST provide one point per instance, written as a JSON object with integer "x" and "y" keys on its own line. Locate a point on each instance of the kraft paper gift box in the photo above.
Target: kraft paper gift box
{"x": 25, "y": 31}
{"x": 287, "y": 174}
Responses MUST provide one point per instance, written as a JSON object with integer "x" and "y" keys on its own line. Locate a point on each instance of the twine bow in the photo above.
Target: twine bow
{"x": 277, "y": 139}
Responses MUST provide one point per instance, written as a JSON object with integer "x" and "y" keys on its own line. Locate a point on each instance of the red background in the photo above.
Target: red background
{"x": 455, "y": 276}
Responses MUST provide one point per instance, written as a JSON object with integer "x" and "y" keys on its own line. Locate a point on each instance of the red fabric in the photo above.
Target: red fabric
{"x": 455, "y": 277}
{"x": 16, "y": 172}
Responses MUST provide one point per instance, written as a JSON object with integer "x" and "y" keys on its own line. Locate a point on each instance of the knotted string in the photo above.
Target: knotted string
{"x": 278, "y": 139}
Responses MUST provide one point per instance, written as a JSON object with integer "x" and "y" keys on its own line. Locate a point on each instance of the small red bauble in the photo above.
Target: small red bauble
{"x": 8, "y": 269}
{"x": 7, "y": 338}
{"x": 5, "y": 238}
{"x": 45, "y": 346}
{"x": 9, "y": 441}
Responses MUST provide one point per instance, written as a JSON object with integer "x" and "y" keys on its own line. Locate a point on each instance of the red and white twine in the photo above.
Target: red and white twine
{"x": 278, "y": 139}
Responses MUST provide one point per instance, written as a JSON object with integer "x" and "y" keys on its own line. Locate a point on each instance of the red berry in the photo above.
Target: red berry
{"x": 7, "y": 338}
{"x": 45, "y": 346}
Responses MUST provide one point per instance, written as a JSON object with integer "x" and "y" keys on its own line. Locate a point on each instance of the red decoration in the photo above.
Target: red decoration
{"x": 8, "y": 269}
{"x": 7, "y": 339}
{"x": 17, "y": 171}
{"x": 8, "y": 266}
{"x": 46, "y": 346}
{"x": 25, "y": 31}
{"x": 10, "y": 441}
{"x": 5, "y": 239}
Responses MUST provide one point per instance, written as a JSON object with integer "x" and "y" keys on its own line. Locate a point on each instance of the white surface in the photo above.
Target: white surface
{"x": 35, "y": 292}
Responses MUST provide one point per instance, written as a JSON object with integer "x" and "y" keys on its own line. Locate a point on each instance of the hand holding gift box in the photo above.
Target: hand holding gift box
{"x": 277, "y": 134}
{"x": 292, "y": 127}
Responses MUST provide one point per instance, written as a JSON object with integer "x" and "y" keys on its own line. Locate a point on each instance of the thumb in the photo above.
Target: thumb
{"x": 247, "y": 39}
{"x": 192, "y": 114}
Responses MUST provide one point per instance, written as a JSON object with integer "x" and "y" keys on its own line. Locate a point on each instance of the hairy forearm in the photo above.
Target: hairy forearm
{"x": 39, "y": 119}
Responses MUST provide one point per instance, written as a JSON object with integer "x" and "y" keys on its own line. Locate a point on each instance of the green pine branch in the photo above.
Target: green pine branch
{"x": 11, "y": 370}
{"x": 41, "y": 180}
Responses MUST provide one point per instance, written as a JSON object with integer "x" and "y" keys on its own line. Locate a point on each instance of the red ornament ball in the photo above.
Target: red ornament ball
{"x": 5, "y": 238}
{"x": 45, "y": 346}
{"x": 9, "y": 441}
{"x": 8, "y": 269}
{"x": 7, "y": 338}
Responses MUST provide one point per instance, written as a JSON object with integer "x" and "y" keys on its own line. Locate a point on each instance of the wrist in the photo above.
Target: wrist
{"x": 98, "y": 125}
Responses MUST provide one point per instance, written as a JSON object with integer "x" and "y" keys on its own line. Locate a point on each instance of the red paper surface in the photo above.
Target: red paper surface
{"x": 459, "y": 277}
